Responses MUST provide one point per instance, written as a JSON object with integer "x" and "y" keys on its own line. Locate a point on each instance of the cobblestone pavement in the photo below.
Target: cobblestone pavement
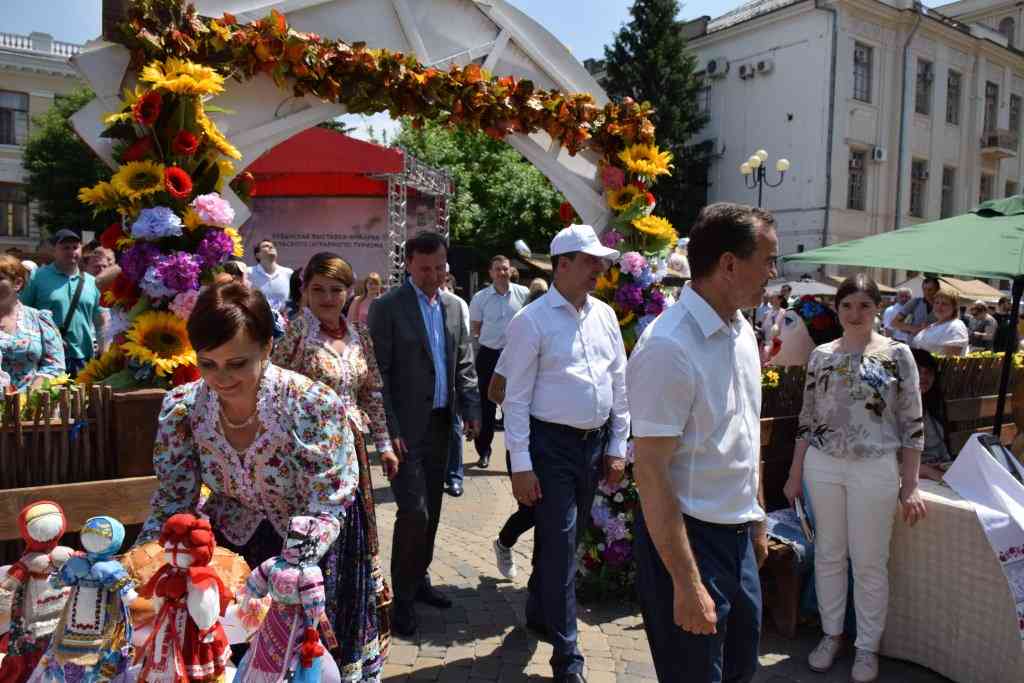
{"x": 482, "y": 637}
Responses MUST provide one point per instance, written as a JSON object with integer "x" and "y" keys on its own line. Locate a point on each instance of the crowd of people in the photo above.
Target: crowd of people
{"x": 301, "y": 381}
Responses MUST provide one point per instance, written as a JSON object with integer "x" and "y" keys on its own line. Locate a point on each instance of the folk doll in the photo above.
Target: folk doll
{"x": 287, "y": 646}
{"x": 25, "y": 591}
{"x": 92, "y": 642}
{"x": 188, "y": 641}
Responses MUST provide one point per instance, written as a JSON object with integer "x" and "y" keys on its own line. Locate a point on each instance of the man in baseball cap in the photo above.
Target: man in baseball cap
{"x": 566, "y": 418}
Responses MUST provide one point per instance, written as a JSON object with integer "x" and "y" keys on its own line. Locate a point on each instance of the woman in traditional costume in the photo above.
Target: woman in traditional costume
{"x": 322, "y": 345}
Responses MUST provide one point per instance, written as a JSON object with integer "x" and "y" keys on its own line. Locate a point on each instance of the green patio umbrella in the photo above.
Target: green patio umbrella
{"x": 988, "y": 242}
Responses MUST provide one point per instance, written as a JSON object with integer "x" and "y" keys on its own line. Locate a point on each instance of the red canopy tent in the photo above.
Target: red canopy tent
{"x": 323, "y": 163}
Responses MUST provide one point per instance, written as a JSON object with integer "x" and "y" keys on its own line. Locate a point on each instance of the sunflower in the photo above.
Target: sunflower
{"x": 608, "y": 281}
{"x": 191, "y": 219}
{"x": 102, "y": 195}
{"x": 656, "y": 227}
{"x": 137, "y": 179}
{"x": 183, "y": 77}
{"x": 628, "y": 320}
{"x": 647, "y": 160}
{"x": 160, "y": 339}
{"x": 226, "y": 170}
{"x": 623, "y": 198}
{"x": 101, "y": 367}
{"x": 214, "y": 135}
{"x": 239, "y": 250}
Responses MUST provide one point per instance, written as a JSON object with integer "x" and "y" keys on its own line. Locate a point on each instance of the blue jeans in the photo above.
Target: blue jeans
{"x": 455, "y": 468}
{"x": 568, "y": 467}
{"x": 728, "y": 568}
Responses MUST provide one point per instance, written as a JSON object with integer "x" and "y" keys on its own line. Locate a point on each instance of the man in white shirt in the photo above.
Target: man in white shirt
{"x": 269, "y": 277}
{"x": 490, "y": 312}
{"x": 762, "y": 313}
{"x": 694, "y": 382}
{"x": 565, "y": 407}
{"x": 889, "y": 315}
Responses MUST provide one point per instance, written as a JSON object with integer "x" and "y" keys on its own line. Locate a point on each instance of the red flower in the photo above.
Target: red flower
{"x": 110, "y": 236}
{"x": 178, "y": 183}
{"x": 138, "y": 150}
{"x": 650, "y": 199}
{"x": 185, "y": 144}
{"x": 566, "y": 213}
{"x": 183, "y": 374}
{"x": 121, "y": 291}
{"x": 147, "y": 109}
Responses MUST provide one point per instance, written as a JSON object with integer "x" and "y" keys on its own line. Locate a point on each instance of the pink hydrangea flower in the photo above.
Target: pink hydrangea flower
{"x": 633, "y": 262}
{"x": 613, "y": 177}
{"x": 213, "y": 209}
{"x": 183, "y": 304}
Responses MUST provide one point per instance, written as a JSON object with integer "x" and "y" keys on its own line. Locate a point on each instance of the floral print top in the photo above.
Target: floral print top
{"x": 862, "y": 405}
{"x": 34, "y": 349}
{"x": 353, "y": 373}
{"x": 302, "y": 461}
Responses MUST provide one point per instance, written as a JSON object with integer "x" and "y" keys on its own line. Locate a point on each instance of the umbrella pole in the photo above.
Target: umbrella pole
{"x": 1004, "y": 379}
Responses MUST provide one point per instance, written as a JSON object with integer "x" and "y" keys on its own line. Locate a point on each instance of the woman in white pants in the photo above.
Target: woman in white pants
{"x": 862, "y": 409}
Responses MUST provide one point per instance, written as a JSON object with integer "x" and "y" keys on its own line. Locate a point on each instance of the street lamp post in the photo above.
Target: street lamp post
{"x": 755, "y": 174}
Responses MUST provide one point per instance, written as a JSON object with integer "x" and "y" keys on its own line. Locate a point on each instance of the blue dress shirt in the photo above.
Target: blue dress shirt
{"x": 433, "y": 320}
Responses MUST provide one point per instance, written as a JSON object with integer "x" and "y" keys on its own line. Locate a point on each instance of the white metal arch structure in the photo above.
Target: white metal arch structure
{"x": 439, "y": 32}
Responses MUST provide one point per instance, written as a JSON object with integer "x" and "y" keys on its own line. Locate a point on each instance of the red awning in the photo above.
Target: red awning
{"x": 323, "y": 163}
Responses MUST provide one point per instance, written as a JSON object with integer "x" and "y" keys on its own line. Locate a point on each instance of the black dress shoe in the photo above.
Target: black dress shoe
{"x": 484, "y": 462}
{"x": 453, "y": 489}
{"x": 539, "y": 631}
{"x": 431, "y": 596}
{"x": 570, "y": 678}
{"x": 403, "y": 620}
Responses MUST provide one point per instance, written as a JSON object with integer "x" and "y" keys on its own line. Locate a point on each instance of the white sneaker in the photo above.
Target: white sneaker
{"x": 865, "y": 667}
{"x": 823, "y": 656}
{"x": 505, "y": 561}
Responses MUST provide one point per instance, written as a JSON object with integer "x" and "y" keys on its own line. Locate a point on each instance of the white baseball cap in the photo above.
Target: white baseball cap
{"x": 581, "y": 238}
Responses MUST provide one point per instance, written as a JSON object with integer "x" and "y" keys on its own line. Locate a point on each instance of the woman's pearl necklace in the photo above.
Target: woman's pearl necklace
{"x": 238, "y": 425}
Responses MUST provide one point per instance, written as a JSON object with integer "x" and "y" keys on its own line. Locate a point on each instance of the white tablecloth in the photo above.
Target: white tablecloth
{"x": 950, "y": 608}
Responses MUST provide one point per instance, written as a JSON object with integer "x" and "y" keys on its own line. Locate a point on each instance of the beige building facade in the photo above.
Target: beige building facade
{"x": 34, "y": 70}
{"x": 890, "y": 113}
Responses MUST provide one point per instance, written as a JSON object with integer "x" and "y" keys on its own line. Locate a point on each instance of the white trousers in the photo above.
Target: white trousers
{"x": 854, "y": 506}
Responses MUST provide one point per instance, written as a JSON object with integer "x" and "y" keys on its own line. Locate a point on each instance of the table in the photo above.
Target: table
{"x": 950, "y": 608}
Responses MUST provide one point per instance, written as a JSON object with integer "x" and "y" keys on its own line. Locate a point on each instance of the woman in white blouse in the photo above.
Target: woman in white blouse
{"x": 948, "y": 335}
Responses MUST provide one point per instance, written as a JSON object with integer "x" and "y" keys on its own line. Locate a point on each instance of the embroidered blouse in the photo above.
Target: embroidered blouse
{"x": 862, "y": 406}
{"x": 353, "y": 373}
{"x": 34, "y": 349}
{"x": 302, "y": 462}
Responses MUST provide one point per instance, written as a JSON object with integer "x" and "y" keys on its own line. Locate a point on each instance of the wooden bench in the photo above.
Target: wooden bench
{"x": 964, "y": 417}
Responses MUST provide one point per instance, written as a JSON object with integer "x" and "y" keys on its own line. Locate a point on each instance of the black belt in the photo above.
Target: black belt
{"x": 582, "y": 434}
{"x": 740, "y": 528}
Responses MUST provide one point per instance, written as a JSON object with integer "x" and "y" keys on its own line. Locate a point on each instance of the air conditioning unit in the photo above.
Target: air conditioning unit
{"x": 878, "y": 154}
{"x": 765, "y": 66}
{"x": 717, "y": 67}
{"x": 746, "y": 71}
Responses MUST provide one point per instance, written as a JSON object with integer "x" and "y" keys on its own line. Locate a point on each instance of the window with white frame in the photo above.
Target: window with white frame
{"x": 856, "y": 187}
{"x": 13, "y": 211}
{"x": 987, "y": 190}
{"x": 991, "y": 106}
{"x": 923, "y": 91}
{"x": 13, "y": 117}
{"x": 918, "y": 187}
{"x": 1008, "y": 27}
{"x": 863, "y": 57}
{"x": 948, "y": 207}
{"x": 953, "y": 87}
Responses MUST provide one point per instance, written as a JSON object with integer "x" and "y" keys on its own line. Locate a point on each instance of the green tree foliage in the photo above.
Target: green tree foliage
{"x": 649, "y": 61}
{"x": 499, "y": 196}
{"x": 59, "y": 164}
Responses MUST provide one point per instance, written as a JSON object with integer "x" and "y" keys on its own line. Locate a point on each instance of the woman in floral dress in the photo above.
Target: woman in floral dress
{"x": 322, "y": 345}
{"x": 30, "y": 342}
{"x": 266, "y": 441}
{"x": 858, "y": 449}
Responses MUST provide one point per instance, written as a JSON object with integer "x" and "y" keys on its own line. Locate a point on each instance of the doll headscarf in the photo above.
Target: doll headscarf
{"x": 42, "y": 524}
{"x": 193, "y": 533}
{"x": 308, "y": 539}
{"x": 108, "y": 528}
